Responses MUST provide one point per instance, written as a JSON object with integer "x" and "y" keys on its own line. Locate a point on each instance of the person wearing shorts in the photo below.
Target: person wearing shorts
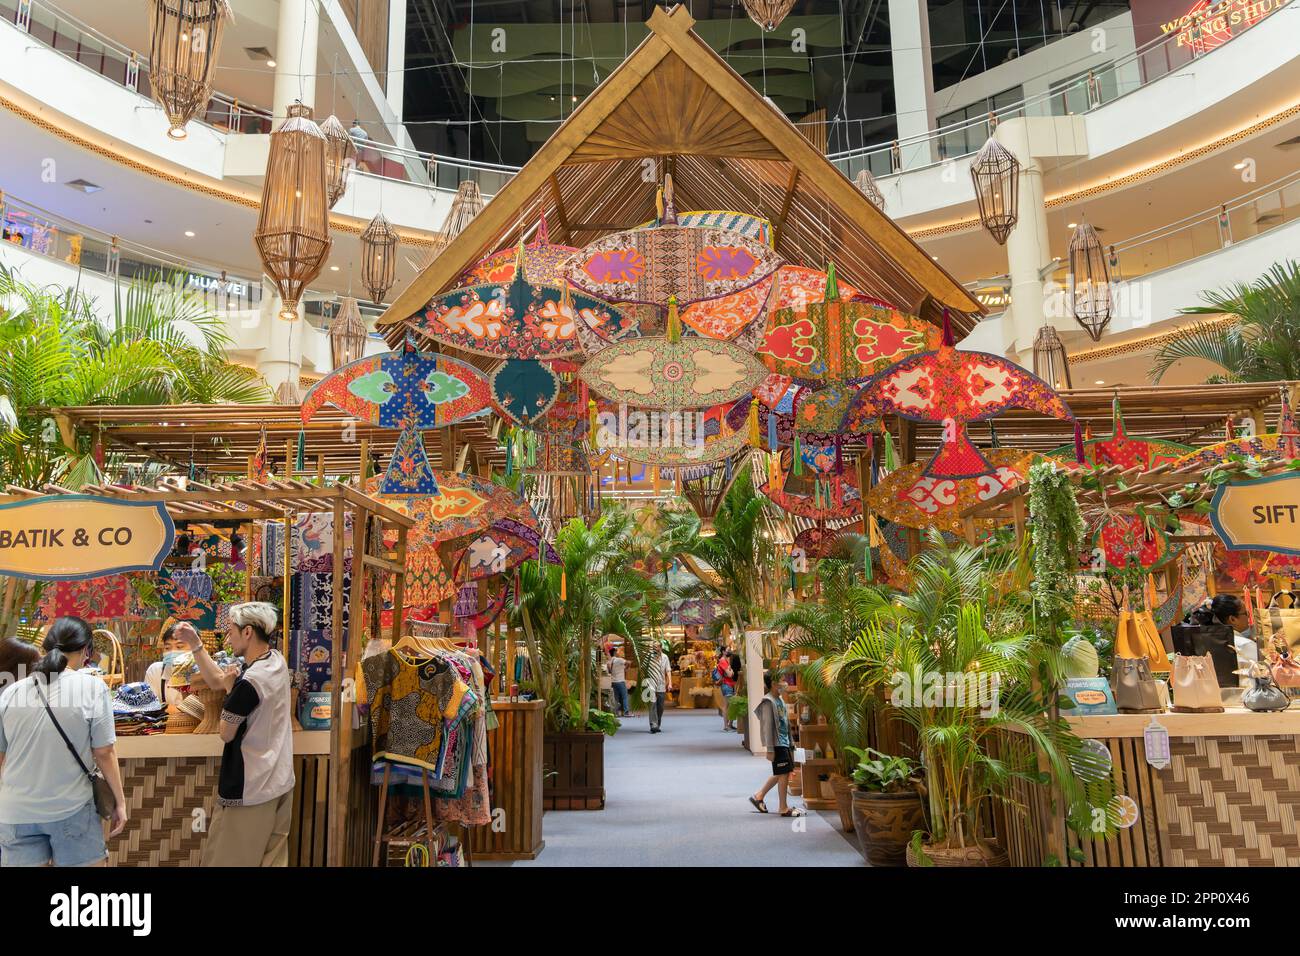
{"x": 47, "y": 804}
{"x": 774, "y": 729}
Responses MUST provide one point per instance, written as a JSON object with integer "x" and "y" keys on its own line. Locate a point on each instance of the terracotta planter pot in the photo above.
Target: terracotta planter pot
{"x": 842, "y": 787}
{"x": 990, "y": 854}
{"x": 884, "y": 824}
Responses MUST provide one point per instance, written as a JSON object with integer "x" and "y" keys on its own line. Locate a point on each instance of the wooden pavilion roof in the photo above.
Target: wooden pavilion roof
{"x": 675, "y": 101}
{"x": 219, "y": 439}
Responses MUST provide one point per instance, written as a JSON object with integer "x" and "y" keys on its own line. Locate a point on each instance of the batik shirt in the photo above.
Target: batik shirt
{"x": 412, "y": 702}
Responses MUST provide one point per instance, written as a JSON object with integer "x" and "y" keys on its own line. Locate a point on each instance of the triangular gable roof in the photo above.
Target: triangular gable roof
{"x": 674, "y": 100}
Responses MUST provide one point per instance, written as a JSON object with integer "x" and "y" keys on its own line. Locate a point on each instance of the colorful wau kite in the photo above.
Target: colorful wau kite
{"x": 523, "y": 390}
{"x": 657, "y": 437}
{"x": 1282, "y": 445}
{"x": 1120, "y": 449}
{"x": 909, "y": 497}
{"x": 791, "y": 287}
{"x": 407, "y": 390}
{"x": 841, "y": 340}
{"x": 951, "y": 387}
{"x": 543, "y": 261}
{"x": 652, "y": 265}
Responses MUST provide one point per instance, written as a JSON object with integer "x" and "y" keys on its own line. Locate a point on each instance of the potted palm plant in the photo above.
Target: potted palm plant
{"x": 887, "y": 806}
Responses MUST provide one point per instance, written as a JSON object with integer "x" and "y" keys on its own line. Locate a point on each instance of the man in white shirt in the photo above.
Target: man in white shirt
{"x": 618, "y": 681}
{"x": 659, "y": 680}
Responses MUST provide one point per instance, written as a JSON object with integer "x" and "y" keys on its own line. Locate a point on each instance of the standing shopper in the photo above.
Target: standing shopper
{"x": 774, "y": 724}
{"x": 726, "y": 679}
{"x": 659, "y": 677}
{"x": 47, "y": 803}
{"x": 618, "y": 682}
{"x": 255, "y": 788}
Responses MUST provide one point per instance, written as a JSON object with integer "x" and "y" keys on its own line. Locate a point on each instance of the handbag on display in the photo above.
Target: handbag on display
{"x": 1286, "y": 669}
{"x": 1278, "y": 623}
{"x": 1136, "y": 635}
{"x": 1134, "y": 687}
{"x": 1262, "y": 693}
{"x": 1216, "y": 640}
{"x": 1196, "y": 686}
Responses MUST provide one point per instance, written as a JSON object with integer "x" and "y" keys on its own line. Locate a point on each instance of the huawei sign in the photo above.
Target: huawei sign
{"x": 1210, "y": 24}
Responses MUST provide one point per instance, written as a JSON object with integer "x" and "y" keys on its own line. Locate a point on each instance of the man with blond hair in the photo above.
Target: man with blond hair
{"x": 250, "y": 826}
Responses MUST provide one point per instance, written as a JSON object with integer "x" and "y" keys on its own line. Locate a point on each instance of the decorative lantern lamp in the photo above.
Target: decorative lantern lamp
{"x": 866, "y": 183}
{"x": 996, "y": 174}
{"x": 1090, "y": 300}
{"x": 292, "y": 236}
{"x": 184, "y": 44}
{"x": 378, "y": 258}
{"x": 347, "y": 334}
{"x": 340, "y": 158}
{"x": 286, "y": 393}
{"x": 768, "y": 14}
{"x": 465, "y": 205}
{"x": 1051, "y": 363}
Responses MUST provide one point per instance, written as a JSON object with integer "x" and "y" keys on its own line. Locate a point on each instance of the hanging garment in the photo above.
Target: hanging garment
{"x": 410, "y": 700}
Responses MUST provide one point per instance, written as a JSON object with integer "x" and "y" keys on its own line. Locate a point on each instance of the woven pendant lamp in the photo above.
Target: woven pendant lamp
{"x": 286, "y": 393}
{"x": 768, "y": 14}
{"x": 996, "y": 174}
{"x": 866, "y": 184}
{"x": 184, "y": 44}
{"x": 1090, "y": 300}
{"x": 1051, "y": 363}
{"x": 292, "y": 236}
{"x": 378, "y": 258}
{"x": 347, "y": 334}
{"x": 467, "y": 203}
{"x": 340, "y": 159}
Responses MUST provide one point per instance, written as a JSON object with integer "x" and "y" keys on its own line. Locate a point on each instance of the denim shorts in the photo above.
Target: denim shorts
{"x": 77, "y": 840}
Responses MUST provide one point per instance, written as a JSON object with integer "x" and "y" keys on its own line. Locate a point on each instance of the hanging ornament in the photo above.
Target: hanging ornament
{"x": 1051, "y": 363}
{"x": 340, "y": 158}
{"x": 1089, "y": 291}
{"x": 184, "y": 46}
{"x": 866, "y": 184}
{"x": 378, "y": 258}
{"x": 347, "y": 334}
{"x": 768, "y": 14}
{"x": 996, "y": 174}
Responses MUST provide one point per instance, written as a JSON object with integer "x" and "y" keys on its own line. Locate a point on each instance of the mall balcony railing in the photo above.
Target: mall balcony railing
{"x": 1251, "y": 214}
{"x": 1096, "y": 88}
{"x": 45, "y": 234}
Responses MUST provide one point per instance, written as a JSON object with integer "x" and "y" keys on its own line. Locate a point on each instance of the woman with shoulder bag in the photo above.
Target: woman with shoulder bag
{"x": 54, "y": 726}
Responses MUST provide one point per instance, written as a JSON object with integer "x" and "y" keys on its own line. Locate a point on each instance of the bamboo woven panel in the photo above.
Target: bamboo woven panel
{"x": 1233, "y": 801}
{"x": 161, "y": 797}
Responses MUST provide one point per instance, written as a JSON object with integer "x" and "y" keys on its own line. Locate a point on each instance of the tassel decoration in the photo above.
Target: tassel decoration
{"x": 593, "y": 418}
{"x": 674, "y": 320}
{"x": 1079, "y": 456}
{"x": 300, "y": 456}
{"x": 1151, "y": 593}
{"x": 510, "y": 453}
{"x": 947, "y": 330}
{"x": 797, "y": 467}
{"x": 839, "y": 456}
{"x": 658, "y": 478}
{"x": 832, "y": 284}
{"x": 753, "y": 422}
{"x": 773, "y": 441}
{"x": 891, "y": 460}
{"x": 564, "y": 585}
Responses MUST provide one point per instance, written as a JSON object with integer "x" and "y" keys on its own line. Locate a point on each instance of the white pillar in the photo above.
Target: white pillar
{"x": 1028, "y": 248}
{"x": 395, "y": 85}
{"x": 281, "y": 356}
{"x": 909, "y": 41}
{"x": 295, "y": 56}
{"x": 754, "y": 685}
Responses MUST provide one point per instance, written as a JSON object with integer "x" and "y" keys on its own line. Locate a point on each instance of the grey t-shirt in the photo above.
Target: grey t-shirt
{"x": 40, "y": 782}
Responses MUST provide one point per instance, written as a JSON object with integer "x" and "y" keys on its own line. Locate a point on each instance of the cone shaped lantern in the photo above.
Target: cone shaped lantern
{"x": 768, "y": 14}
{"x": 866, "y": 184}
{"x": 467, "y": 203}
{"x": 347, "y": 334}
{"x": 996, "y": 174}
{"x": 378, "y": 258}
{"x": 1051, "y": 363}
{"x": 1090, "y": 301}
{"x": 292, "y": 236}
{"x": 340, "y": 158}
{"x": 184, "y": 43}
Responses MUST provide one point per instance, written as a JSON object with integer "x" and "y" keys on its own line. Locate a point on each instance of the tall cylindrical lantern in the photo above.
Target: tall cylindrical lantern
{"x": 184, "y": 44}
{"x": 378, "y": 258}
{"x": 1051, "y": 363}
{"x": 866, "y": 184}
{"x": 347, "y": 334}
{"x": 340, "y": 158}
{"x": 292, "y": 236}
{"x": 996, "y": 174}
{"x": 1089, "y": 290}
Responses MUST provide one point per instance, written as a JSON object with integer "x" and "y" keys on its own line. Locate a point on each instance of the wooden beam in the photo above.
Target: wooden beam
{"x": 778, "y": 224}
{"x": 561, "y": 216}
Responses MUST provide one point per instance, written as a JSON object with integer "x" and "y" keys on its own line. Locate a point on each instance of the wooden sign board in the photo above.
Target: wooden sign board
{"x": 1259, "y": 515}
{"x": 75, "y": 537}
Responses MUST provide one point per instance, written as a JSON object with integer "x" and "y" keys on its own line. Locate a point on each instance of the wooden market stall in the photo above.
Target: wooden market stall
{"x": 167, "y": 778}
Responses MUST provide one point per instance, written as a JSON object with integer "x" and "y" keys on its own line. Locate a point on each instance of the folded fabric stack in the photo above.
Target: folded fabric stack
{"x": 137, "y": 711}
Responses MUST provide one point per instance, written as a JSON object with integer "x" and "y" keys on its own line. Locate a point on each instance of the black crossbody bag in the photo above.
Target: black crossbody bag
{"x": 105, "y": 802}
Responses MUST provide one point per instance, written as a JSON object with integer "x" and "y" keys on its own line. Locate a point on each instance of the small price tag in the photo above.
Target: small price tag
{"x": 1156, "y": 739}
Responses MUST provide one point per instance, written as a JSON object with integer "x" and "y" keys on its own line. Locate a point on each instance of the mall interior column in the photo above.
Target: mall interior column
{"x": 1028, "y": 249}
{"x": 394, "y": 85}
{"x": 281, "y": 341}
{"x": 753, "y": 671}
{"x": 909, "y": 40}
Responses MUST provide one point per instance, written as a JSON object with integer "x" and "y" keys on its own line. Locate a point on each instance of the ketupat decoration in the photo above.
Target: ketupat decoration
{"x": 407, "y": 390}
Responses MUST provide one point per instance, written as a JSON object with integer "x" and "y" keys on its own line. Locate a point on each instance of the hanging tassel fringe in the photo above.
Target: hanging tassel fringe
{"x": 1078, "y": 445}
{"x": 564, "y": 585}
{"x": 773, "y": 442}
{"x": 674, "y": 321}
{"x": 300, "y": 457}
{"x": 753, "y": 422}
{"x": 891, "y": 460}
{"x": 797, "y": 467}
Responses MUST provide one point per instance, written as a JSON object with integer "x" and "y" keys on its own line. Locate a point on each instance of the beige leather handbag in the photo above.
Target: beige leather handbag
{"x": 1134, "y": 687}
{"x": 1195, "y": 686}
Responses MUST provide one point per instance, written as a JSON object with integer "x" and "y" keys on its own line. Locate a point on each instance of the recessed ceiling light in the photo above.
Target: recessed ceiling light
{"x": 1072, "y": 225}
{"x": 189, "y": 233}
{"x": 334, "y": 268}
{"x": 1241, "y": 165}
{"x": 84, "y": 185}
{"x": 935, "y": 258}
{"x": 271, "y": 64}
{"x": 1099, "y": 382}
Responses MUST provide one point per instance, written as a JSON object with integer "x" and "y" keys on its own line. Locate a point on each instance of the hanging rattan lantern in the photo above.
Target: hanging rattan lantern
{"x": 768, "y": 14}
{"x": 347, "y": 334}
{"x": 184, "y": 43}
{"x": 996, "y": 174}
{"x": 293, "y": 237}
{"x": 866, "y": 184}
{"x": 1051, "y": 363}
{"x": 467, "y": 203}
{"x": 378, "y": 258}
{"x": 340, "y": 158}
{"x": 1090, "y": 300}
{"x": 286, "y": 393}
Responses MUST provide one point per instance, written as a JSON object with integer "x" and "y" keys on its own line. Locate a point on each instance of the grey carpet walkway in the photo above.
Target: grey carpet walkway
{"x": 679, "y": 799}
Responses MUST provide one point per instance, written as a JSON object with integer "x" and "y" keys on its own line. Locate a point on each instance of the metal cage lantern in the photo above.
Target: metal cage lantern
{"x": 1090, "y": 300}
{"x": 340, "y": 159}
{"x": 1051, "y": 363}
{"x": 996, "y": 174}
{"x": 347, "y": 334}
{"x": 293, "y": 236}
{"x": 768, "y": 14}
{"x": 378, "y": 258}
{"x": 866, "y": 184}
{"x": 184, "y": 43}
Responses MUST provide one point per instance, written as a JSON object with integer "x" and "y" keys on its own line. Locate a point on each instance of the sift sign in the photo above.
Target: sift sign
{"x": 72, "y": 537}
{"x": 1263, "y": 514}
